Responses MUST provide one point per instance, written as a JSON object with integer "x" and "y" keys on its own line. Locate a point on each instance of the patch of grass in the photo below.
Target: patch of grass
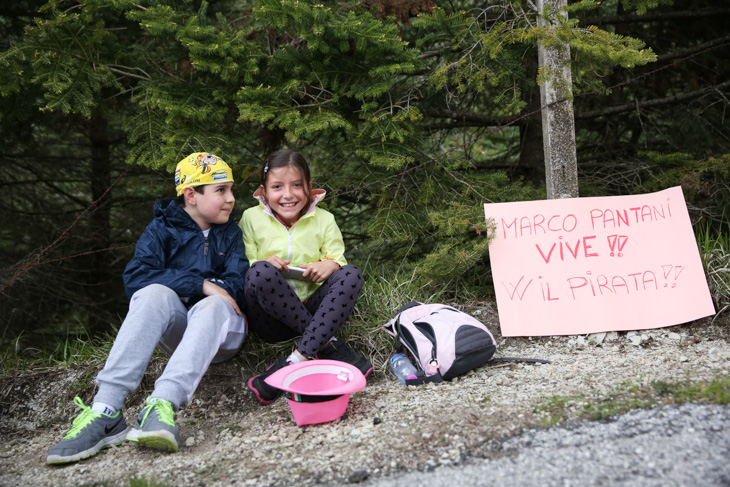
{"x": 556, "y": 409}
{"x": 714, "y": 249}
{"x": 716, "y": 391}
{"x": 76, "y": 349}
{"x": 233, "y": 428}
{"x": 82, "y": 383}
{"x": 144, "y": 482}
{"x": 383, "y": 294}
{"x": 613, "y": 406}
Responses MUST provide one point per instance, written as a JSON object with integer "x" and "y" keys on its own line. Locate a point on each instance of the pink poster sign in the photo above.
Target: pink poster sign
{"x": 587, "y": 265}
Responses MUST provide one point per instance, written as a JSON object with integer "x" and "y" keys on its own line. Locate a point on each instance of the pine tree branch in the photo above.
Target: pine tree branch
{"x": 113, "y": 69}
{"x": 654, "y": 17}
{"x": 35, "y": 258}
{"x": 460, "y": 125}
{"x": 649, "y": 103}
{"x": 688, "y": 52}
{"x": 439, "y": 53}
{"x": 470, "y": 119}
{"x": 42, "y": 180}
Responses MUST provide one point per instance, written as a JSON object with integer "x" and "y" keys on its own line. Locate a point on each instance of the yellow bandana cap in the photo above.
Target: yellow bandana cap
{"x": 201, "y": 168}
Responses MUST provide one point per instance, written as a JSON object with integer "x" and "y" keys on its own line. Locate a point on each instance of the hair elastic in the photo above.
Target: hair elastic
{"x": 266, "y": 168}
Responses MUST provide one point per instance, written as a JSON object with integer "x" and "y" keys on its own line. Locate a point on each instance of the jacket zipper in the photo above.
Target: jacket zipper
{"x": 290, "y": 245}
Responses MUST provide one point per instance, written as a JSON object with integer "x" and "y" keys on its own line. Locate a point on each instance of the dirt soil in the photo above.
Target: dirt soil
{"x": 227, "y": 438}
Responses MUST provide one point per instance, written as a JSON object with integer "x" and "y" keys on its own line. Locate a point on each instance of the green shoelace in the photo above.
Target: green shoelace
{"x": 163, "y": 409}
{"x": 82, "y": 420}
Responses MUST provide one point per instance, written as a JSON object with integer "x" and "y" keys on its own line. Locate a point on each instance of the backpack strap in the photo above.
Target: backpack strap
{"x": 420, "y": 380}
{"x": 519, "y": 359}
{"x": 397, "y": 345}
{"x": 409, "y": 305}
{"x": 425, "y": 379}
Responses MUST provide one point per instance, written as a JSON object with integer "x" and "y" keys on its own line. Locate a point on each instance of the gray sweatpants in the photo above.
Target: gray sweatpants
{"x": 208, "y": 332}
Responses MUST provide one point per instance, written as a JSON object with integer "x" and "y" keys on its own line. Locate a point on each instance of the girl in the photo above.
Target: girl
{"x": 287, "y": 228}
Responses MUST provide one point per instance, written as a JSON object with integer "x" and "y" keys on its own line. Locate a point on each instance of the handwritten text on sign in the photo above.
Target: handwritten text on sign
{"x": 585, "y": 265}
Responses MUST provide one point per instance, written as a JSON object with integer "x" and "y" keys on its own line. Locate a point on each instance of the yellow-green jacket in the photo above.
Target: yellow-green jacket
{"x": 313, "y": 238}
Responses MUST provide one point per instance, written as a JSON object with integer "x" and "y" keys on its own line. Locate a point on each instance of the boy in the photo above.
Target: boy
{"x": 185, "y": 284}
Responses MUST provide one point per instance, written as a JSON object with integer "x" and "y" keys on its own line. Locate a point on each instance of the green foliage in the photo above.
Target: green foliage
{"x": 593, "y": 47}
{"x": 331, "y": 76}
{"x": 410, "y": 123}
{"x": 483, "y": 56}
{"x": 76, "y": 349}
{"x": 136, "y": 481}
{"x": 714, "y": 247}
{"x": 450, "y": 233}
{"x": 716, "y": 391}
{"x": 704, "y": 182}
{"x": 59, "y": 51}
{"x": 490, "y": 47}
{"x": 556, "y": 409}
{"x": 643, "y": 6}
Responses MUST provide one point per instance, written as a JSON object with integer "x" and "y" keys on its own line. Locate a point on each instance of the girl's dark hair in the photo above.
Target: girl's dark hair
{"x": 284, "y": 158}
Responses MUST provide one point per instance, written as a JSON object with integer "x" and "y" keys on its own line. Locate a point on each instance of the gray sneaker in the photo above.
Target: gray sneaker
{"x": 155, "y": 426}
{"x": 91, "y": 431}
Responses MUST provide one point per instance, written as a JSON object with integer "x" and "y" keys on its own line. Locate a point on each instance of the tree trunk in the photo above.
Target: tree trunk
{"x": 558, "y": 125}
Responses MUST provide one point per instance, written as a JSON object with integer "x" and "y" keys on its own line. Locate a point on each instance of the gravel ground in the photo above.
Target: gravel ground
{"x": 671, "y": 446}
{"x": 388, "y": 429}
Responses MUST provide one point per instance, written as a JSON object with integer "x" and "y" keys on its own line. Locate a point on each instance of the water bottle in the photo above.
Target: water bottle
{"x": 402, "y": 367}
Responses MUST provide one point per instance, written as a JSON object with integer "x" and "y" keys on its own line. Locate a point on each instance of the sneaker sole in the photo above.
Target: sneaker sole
{"x": 260, "y": 399}
{"x": 107, "y": 442}
{"x": 162, "y": 440}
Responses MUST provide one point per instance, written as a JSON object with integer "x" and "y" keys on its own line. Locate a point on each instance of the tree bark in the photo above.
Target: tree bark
{"x": 558, "y": 125}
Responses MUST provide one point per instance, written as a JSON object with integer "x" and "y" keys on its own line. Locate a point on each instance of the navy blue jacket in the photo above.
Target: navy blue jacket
{"x": 173, "y": 252}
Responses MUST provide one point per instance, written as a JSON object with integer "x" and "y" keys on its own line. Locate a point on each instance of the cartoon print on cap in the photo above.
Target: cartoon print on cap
{"x": 206, "y": 160}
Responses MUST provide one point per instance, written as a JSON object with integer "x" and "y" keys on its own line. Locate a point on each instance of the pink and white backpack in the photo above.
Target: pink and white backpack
{"x": 444, "y": 341}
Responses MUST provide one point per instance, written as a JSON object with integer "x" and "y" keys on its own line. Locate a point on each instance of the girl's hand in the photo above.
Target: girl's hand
{"x": 278, "y": 262}
{"x": 320, "y": 271}
{"x": 212, "y": 289}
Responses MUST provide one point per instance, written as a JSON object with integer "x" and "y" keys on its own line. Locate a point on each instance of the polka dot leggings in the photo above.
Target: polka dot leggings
{"x": 275, "y": 312}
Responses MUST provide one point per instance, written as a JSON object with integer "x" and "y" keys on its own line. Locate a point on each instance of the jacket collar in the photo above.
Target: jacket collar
{"x": 175, "y": 215}
{"x": 315, "y": 196}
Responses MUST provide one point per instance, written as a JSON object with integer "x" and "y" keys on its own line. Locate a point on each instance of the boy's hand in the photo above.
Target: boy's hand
{"x": 320, "y": 271}
{"x": 211, "y": 289}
